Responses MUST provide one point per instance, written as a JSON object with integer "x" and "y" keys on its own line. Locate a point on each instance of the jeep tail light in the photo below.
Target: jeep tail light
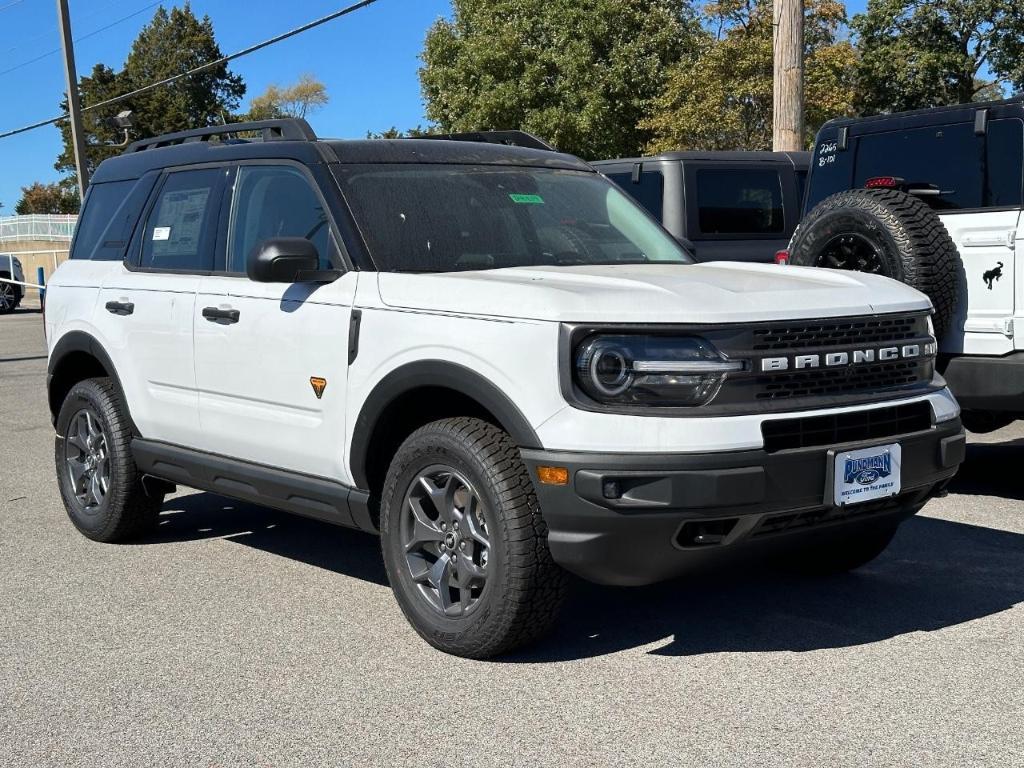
{"x": 882, "y": 182}
{"x": 646, "y": 370}
{"x": 782, "y": 257}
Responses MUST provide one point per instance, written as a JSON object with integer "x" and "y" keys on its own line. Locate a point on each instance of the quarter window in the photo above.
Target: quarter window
{"x": 736, "y": 201}
{"x": 179, "y": 235}
{"x": 275, "y": 201}
{"x": 102, "y": 203}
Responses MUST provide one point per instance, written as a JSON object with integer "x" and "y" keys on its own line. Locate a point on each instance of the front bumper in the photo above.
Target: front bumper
{"x": 678, "y": 511}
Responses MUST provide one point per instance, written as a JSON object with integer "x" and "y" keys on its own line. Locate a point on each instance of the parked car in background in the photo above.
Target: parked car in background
{"x": 11, "y": 294}
{"x": 934, "y": 198}
{"x": 726, "y": 206}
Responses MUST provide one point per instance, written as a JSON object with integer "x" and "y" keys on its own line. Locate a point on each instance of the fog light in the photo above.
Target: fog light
{"x": 553, "y": 475}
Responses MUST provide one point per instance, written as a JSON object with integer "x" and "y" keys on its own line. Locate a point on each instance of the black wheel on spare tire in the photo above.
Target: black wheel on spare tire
{"x": 464, "y": 543}
{"x": 885, "y": 232}
{"x": 99, "y": 483}
{"x": 840, "y": 553}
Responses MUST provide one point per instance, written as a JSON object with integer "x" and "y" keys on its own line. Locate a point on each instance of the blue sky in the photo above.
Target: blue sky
{"x": 368, "y": 61}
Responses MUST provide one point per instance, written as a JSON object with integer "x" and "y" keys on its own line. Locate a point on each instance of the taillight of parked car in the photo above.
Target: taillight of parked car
{"x": 782, "y": 257}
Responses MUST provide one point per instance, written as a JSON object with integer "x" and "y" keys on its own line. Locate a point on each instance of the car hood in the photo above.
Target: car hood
{"x": 715, "y": 292}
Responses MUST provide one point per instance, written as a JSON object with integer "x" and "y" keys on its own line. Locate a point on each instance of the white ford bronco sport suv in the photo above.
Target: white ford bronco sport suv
{"x": 490, "y": 355}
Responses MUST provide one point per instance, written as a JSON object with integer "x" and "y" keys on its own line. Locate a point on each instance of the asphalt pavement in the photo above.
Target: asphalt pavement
{"x": 240, "y": 636}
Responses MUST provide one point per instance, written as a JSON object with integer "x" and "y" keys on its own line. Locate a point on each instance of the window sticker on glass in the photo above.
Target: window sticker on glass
{"x": 527, "y": 199}
{"x": 161, "y": 233}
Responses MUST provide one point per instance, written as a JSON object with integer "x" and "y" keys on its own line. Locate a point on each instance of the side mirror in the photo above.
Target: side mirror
{"x": 282, "y": 260}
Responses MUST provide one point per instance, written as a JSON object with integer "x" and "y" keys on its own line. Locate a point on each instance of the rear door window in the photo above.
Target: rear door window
{"x": 180, "y": 234}
{"x": 737, "y": 201}
{"x": 1004, "y": 164}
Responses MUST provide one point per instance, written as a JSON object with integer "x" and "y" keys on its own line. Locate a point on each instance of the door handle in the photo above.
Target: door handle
{"x": 222, "y": 316}
{"x": 120, "y": 307}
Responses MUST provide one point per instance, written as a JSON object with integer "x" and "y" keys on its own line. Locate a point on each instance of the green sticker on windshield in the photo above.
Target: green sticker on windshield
{"x": 527, "y": 199}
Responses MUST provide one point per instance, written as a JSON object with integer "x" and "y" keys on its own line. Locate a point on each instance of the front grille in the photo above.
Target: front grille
{"x": 854, "y": 426}
{"x": 824, "y": 382}
{"x": 833, "y": 333}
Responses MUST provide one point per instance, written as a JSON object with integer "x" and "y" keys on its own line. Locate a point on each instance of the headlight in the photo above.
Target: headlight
{"x": 651, "y": 370}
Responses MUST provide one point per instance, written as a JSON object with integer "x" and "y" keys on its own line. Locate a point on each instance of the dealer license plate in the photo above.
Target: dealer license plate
{"x": 867, "y": 474}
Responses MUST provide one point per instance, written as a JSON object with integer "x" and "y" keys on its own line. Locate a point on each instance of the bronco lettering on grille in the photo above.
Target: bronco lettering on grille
{"x": 850, "y": 357}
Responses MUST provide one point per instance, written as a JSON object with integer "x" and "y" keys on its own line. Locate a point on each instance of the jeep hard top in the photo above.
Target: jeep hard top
{"x": 489, "y": 355}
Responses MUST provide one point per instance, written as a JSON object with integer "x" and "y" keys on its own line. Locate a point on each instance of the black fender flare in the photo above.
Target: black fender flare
{"x": 434, "y": 373}
{"x": 69, "y": 343}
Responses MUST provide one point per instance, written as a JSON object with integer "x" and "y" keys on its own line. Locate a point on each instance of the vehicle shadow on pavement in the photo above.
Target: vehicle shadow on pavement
{"x": 991, "y": 469}
{"x": 935, "y": 574}
{"x": 206, "y": 515}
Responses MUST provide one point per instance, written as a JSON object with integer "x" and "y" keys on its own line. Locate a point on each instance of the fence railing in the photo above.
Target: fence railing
{"x": 37, "y": 227}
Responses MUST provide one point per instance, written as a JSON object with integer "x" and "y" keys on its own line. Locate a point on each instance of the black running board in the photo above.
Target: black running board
{"x": 306, "y": 495}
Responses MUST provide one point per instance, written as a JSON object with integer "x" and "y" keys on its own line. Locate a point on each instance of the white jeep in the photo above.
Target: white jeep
{"x": 934, "y": 198}
{"x": 490, "y": 355}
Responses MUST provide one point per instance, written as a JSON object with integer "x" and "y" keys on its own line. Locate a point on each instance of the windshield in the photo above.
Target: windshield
{"x": 442, "y": 218}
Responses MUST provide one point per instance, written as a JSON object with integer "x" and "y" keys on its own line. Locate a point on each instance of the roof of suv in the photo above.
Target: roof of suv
{"x": 295, "y": 140}
{"x": 796, "y": 159}
{"x": 936, "y": 115}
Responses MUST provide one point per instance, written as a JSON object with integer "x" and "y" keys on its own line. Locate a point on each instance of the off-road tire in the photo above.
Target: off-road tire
{"x": 912, "y": 243}
{"x": 840, "y": 553}
{"x": 525, "y": 588}
{"x": 127, "y": 511}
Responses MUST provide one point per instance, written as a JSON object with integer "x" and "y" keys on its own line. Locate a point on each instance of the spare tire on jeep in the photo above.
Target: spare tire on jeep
{"x": 885, "y": 232}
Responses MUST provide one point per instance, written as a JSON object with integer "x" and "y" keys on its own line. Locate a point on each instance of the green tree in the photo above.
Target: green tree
{"x": 47, "y": 198}
{"x": 722, "y": 99}
{"x": 296, "y": 100}
{"x": 580, "y": 75}
{"x": 174, "y": 42}
{"x": 920, "y": 54}
{"x": 395, "y": 133}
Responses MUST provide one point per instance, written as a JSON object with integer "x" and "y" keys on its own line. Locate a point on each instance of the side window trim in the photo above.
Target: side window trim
{"x": 338, "y": 256}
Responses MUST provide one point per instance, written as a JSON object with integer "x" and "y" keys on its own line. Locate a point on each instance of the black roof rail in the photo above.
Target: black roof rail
{"x": 509, "y": 138}
{"x": 284, "y": 129}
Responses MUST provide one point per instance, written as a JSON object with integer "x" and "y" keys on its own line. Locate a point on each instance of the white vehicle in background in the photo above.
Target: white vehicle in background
{"x": 934, "y": 198}
{"x": 11, "y": 293}
{"x": 488, "y": 354}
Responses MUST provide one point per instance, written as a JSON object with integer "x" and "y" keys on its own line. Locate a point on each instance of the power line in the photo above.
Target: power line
{"x": 80, "y": 39}
{"x": 11, "y": 4}
{"x": 201, "y": 68}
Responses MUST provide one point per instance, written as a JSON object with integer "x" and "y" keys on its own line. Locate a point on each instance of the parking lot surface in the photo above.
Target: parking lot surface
{"x": 242, "y": 636}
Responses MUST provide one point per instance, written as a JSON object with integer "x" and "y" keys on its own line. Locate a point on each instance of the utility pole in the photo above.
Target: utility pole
{"x": 788, "y": 80}
{"x": 74, "y": 104}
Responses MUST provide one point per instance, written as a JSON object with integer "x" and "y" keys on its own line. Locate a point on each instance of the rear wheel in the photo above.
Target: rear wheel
{"x": 99, "y": 483}
{"x": 464, "y": 542}
{"x": 840, "y": 553}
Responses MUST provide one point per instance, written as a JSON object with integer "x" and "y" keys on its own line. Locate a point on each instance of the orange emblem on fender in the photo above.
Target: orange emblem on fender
{"x": 319, "y": 385}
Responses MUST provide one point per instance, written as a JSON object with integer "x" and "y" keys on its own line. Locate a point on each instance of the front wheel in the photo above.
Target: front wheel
{"x": 464, "y": 543}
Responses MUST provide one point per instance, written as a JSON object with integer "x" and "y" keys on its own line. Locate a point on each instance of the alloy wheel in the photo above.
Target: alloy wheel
{"x": 446, "y": 541}
{"x": 853, "y": 252}
{"x": 87, "y": 460}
